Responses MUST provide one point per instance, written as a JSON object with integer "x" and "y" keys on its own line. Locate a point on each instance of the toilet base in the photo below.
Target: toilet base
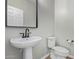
{"x": 59, "y": 57}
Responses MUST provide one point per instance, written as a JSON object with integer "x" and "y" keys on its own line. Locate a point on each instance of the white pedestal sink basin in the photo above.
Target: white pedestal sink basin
{"x": 26, "y": 44}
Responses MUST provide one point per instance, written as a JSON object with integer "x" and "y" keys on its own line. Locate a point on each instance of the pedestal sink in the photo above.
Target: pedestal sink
{"x": 26, "y": 44}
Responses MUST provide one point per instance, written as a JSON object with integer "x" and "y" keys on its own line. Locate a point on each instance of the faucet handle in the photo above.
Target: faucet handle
{"x": 22, "y": 35}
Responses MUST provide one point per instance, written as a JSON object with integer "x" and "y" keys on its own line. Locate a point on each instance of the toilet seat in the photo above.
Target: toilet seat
{"x": 61, "y": 49}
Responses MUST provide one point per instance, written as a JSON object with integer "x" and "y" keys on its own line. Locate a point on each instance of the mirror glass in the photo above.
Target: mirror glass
{"x": 21, "y": 13}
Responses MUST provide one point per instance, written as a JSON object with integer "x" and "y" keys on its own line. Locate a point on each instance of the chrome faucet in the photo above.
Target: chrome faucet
{"x": 26, "y": 34}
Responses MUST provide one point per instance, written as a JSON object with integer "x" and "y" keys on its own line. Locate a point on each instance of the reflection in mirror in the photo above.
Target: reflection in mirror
{"x": 21, "y": 13}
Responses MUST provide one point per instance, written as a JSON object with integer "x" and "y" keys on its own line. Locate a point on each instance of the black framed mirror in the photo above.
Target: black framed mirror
{"x": 21, "y": 13}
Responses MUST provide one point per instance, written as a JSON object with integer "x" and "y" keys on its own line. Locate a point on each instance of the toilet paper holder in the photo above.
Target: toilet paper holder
{"x": 71, "y": 42}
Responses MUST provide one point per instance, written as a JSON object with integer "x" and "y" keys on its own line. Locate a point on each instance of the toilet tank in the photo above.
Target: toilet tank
{"x": 51, "y": 42}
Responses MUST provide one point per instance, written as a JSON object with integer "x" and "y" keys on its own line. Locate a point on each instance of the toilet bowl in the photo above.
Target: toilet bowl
{"x": 57, "y": 52}
{"x": 60, "y": 52}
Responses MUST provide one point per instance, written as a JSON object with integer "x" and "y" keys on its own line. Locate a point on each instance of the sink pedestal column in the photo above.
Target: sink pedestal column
{"x": 27, "y": 53}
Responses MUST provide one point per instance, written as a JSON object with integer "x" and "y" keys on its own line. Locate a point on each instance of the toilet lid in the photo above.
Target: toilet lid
{"x": 61, "y": 49}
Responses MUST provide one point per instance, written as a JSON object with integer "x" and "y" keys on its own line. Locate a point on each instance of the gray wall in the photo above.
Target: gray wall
{"x": 64, "y": 23}
{"x": 45, "y": 29}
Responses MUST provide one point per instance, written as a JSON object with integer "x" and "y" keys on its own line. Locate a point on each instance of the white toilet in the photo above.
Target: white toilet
{"x": 57, "y": 52}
